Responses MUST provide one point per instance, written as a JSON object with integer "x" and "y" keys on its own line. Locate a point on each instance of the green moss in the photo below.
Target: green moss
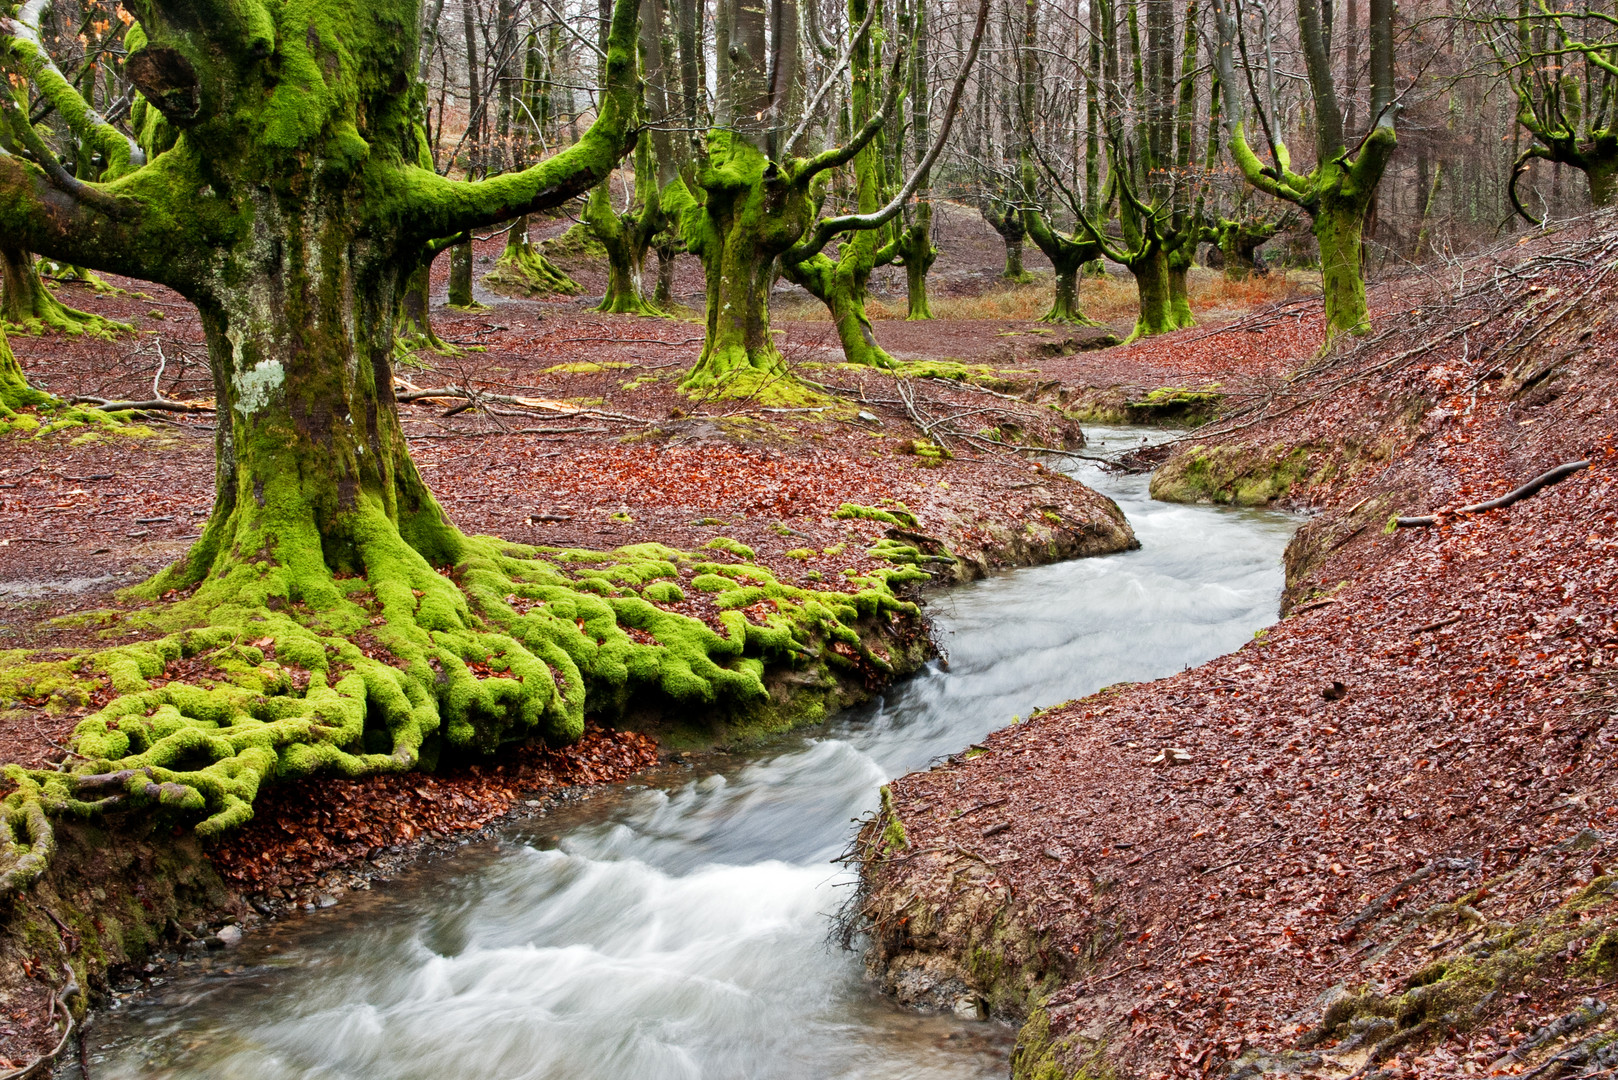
{"x": 1039, "y": 1055}
{"x": 1170, "y": 405}
{"x": 1230, "y": 475}
{"x": 725, "y": 543}
{"x": 577, "y": 242}
{"x": 899, "y": 515}
{"x": 523, "y": 270}
{"x": 584, "y": 367}
{"x": 893, "y": 832}
{"x": 562, "y": 631}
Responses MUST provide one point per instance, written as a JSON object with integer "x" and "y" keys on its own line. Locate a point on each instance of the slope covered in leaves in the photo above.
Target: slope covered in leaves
{"x": 1378, "y": 840}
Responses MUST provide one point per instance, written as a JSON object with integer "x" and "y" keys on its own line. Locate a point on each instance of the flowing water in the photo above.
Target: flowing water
{"x": 678, "y": 928}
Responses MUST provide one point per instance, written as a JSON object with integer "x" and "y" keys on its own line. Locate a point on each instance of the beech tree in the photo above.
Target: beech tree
{"x": 1560, "y": 65}
{"x": 290, "y": 211}
{"x": 755, "y": 208}
{"x": 1339, "y": 192}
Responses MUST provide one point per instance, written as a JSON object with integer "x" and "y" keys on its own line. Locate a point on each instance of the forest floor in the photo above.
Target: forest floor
{"x": 1379, "y": 840}
{"x": 613, "y": 455}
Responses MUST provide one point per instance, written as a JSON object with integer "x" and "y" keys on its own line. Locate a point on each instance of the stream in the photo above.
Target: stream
{"x": 678, "y": 928}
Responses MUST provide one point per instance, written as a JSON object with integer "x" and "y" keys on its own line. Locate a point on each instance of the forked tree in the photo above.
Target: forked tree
{"x": 755, "y": 208}
{"x": 1339, "y": 192}
{"x": 1561, "y": 65}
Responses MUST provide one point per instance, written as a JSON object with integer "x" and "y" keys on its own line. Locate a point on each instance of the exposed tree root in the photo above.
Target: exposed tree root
{"x": 523, "y": 270}
{"x": 306, "y": 672}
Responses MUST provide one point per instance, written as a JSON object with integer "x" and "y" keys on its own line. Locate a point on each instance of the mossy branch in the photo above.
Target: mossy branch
{"x": 435, "y": 206}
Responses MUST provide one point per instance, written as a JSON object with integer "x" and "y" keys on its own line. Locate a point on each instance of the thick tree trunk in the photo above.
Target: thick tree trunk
{"x": 1179, "y": 266}
{"x": 415, "y": 316}
{"x": 1014, "y": 269}
{"x": 915, "y": 248}
{"x": 746, "y": 220}
{"x": 314, "y": 476}
{"x": 523, "y": 270}
{"x": 460, "y": 278}
{"x": 1065, "y": 307}
{"x": 1338, "y": 226}
{"x": 666, "y": 256}
{"x": 1068, "y": 256}
{"x": 28, "y": 307}
{"x": 627, "y": 237}
{"x": 1603, "y": 182}
{"x": 1239, "y": 252}
{"x": 840, "y": 287}
{"x": 1155, "y": 285}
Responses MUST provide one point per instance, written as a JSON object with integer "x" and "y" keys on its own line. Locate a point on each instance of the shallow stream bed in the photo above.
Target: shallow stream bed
{"x": 678, "y": 928}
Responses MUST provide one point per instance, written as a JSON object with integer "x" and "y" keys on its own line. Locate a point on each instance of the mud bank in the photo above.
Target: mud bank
{"x": 1374, "y": 841}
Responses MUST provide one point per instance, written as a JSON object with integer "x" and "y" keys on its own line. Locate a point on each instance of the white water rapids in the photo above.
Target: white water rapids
{"x": 678, "y": 929}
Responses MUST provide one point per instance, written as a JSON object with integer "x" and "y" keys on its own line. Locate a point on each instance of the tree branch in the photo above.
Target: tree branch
{"x": 120, "y": 150}
{"x": 438, "y": 207}
{"x": 830, "y": 227}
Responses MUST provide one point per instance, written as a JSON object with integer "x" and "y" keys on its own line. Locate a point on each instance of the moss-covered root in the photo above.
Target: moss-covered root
{"x": 28, "y": 307}
{"x": 523, "y": 270}
{"x": 308, "y": 672}
{"x": 15, "y": 393}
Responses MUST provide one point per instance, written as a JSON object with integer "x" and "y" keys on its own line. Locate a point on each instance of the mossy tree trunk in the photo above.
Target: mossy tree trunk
{"x": 291, "y": 211}
{"x": 751, "y": 211}
{"x": 1339, "y": 192}
{"x": 15, "y": 393}
{"x": 27, "y": 306}
{"x": 842, "y": 283}
{"x": 627, "y": 236}
{"x": 917, "y": 253}
{"x": 1068, "y": 255}
{"x": 295, "y": 227}
{"x": 914, "y": 245}
{"x": 1155, "y": 286}
{"x": 1179, "y": 267}
{"x": 415, "y": 315}
{"x": 1239, "y": 242}
{"x": 460, "y": 278}
{"x": 1339, "y": 226}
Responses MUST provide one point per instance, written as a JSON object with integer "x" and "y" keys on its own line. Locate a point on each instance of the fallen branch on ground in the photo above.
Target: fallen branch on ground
{"x": 154, "y": 405}
{"x": 1544, "y": 480}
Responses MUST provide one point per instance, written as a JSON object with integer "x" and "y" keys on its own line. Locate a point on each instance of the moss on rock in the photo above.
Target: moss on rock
{"x": 1231, "y": 475}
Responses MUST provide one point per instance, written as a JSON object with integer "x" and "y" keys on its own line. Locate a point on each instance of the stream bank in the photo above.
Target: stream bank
{"x": 1376, "y": 840}
{"x": 666, "y": 928}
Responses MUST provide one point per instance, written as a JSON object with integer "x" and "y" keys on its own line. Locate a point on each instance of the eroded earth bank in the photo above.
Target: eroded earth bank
{"x": 1377, "y": 840}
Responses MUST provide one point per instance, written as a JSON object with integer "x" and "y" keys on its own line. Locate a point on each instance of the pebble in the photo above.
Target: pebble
{"x": 971, "y": 1008}
{"x": 229, "y": 936}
